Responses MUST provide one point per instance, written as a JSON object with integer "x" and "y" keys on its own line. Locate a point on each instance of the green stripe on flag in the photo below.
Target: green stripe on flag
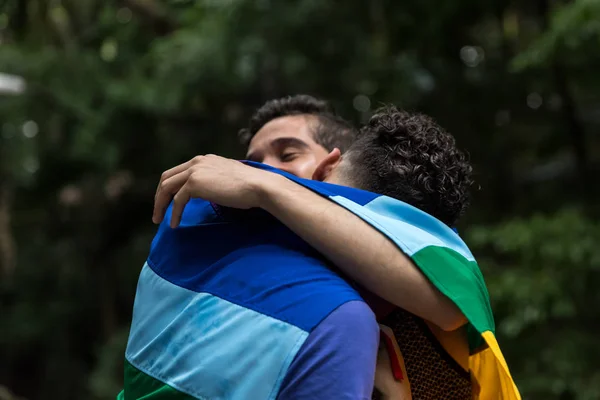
{"x": 462, "y": 281}
{"x": 139, "y": 385}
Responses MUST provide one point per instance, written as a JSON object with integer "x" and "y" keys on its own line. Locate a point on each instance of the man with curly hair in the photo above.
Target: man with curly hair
{"x": 416, "y": 161}
{"x": 411, "y": 158}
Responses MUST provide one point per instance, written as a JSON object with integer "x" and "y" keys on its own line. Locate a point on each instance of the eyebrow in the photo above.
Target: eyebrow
{"x": 283, "y": 142}
{"x": 289, "y": 142}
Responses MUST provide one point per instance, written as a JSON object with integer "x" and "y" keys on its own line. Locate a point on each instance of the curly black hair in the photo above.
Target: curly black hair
{"x": 413, "y": 159}
{"x": 331, "y": 131}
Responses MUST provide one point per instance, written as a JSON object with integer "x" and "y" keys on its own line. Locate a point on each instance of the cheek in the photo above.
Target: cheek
{"x": 303, "y": 167}
{"x": 273, "y": 162}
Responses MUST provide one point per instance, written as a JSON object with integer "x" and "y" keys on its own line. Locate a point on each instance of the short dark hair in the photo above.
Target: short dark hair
{"x": 413, "y": 159}
{"x": 331, "y": 130}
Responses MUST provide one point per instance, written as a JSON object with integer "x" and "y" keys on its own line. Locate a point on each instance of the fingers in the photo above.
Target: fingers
{"x": 173, "y": 181}
{"x": 165, "y": 192}
{"x": 174, "y": 171}
{"x": 179, "y": 202}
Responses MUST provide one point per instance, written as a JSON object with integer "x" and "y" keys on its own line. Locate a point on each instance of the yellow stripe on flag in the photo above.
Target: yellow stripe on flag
{"x": 490, "y": 371}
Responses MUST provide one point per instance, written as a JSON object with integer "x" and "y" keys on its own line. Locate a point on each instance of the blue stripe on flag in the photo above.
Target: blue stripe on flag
{"x": 410, "y": 228}
{"x": 263, "y": 268}
{"x": 208, "y": 347}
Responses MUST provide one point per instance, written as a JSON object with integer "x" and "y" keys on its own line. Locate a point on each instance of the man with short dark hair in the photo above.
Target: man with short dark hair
{"x": 329, "y": 130}
{"x": 295, "y": 133}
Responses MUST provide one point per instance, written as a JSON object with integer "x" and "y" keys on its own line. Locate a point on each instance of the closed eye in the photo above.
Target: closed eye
{"x": 286, "y": 157}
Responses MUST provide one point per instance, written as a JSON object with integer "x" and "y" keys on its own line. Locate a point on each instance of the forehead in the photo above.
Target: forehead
{"x": 291, "y": 126}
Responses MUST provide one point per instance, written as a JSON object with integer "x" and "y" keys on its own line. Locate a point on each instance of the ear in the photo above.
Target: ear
{"x": 327, "y": 165}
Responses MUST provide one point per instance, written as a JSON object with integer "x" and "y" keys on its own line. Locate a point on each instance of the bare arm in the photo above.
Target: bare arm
{"x": 355, "y": 247}
{"x": 358, "y": 249}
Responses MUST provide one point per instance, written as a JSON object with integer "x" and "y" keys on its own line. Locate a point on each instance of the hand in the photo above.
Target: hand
{"x": 223, "y": 181}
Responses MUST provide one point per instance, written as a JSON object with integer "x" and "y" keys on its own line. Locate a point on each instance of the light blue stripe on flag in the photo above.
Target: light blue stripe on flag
{"x": 410, "y": 228}
{"x": 208, "y": 347}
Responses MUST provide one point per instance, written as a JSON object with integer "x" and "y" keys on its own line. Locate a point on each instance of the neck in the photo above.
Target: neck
{"x": 338, "y": 177}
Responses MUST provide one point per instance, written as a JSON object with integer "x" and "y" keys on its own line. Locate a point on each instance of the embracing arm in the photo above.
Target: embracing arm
{"x": 358, "y": 249}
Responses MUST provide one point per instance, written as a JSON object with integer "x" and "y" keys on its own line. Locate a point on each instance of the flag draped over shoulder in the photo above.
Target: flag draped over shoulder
{"x": 448, "y": 263}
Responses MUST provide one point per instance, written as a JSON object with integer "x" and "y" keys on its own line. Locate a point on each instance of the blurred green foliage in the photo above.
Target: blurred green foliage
{"x": 543, "y": 273}
{"x": 116, "y": 91}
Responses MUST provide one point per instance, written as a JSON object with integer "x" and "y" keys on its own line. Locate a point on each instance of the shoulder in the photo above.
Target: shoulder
{"x": 337, "y": 360}
{"x": 353, "y": 314}
{"x": 353, "y": 324}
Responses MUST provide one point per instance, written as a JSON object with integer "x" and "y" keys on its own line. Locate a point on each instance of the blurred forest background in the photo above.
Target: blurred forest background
{"x": 98, "y": 97}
